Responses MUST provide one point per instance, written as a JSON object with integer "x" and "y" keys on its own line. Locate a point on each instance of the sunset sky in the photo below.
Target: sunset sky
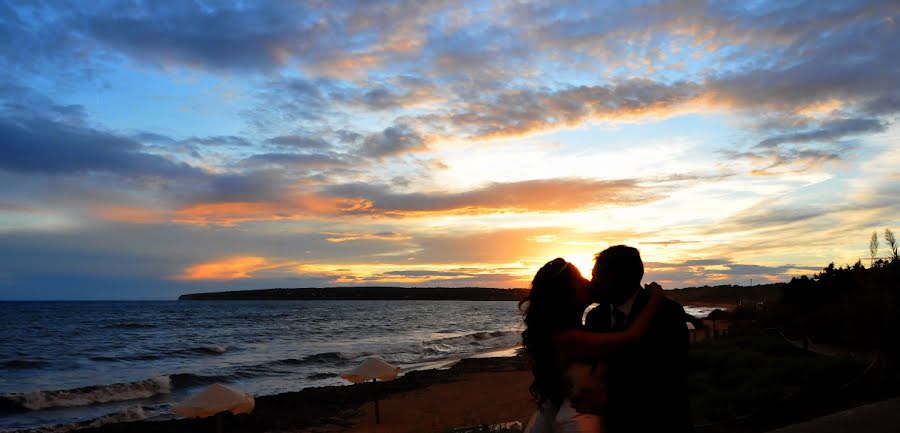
{"x": 150, "y": 150}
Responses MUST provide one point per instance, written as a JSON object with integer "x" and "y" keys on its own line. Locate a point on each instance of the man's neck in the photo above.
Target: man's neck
{"x": 625, "y": 308}
{"x": 629, "y": 301}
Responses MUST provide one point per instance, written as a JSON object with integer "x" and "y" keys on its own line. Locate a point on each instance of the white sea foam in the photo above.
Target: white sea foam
{"x": 130, "y": 414}
{"x": 476, "y": 341}
{"x": 38, "y": 400}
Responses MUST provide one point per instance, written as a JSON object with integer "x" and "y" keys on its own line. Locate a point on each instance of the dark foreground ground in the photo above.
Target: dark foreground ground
{"x": 738, "y": 385}
{"x": 325, "y": 408}
{"x": 881, "y": 417}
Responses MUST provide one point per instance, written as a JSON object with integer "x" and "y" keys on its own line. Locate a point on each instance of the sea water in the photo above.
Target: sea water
{"x": 65, "y": 362}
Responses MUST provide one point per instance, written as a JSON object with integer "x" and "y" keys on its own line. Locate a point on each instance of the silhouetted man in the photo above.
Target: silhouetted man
{"x": 646, "y": 385}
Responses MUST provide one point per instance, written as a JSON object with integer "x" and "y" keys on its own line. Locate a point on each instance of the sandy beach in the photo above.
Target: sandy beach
{"x": 472, "y": 392}
{"x": 471, "y": 400}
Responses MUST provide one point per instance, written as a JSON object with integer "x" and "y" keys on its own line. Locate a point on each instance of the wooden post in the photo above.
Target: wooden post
{"x": 375, "y": 393}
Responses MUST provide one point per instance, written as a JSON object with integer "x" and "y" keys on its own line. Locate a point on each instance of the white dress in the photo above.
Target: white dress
{"x": 563, "y": 418}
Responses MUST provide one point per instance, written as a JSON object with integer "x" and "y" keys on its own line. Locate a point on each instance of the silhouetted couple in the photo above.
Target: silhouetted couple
{"x": 620, "y": 370}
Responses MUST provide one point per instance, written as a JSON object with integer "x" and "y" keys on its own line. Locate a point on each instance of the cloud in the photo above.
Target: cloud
{"x": 718, "y": 271}
{"x": 831, "y": 130}
{"x": 295, "y": 160}
{"x": 432, "y": 275}
{"x": 350, "y": 108}
{"x": 667, "y": 243}
{"x": 236, "y": 187}
{"x": 404, "y": 91}
{"x": 522, "y": 111}
{"x": 231, "y": 213}
{"x": 496, "y": 247}
{"x": 415, "y": 273}
{"x": 223, "y": 36}
{"x": 351, "y": 237}
{"x": 705, "y": 262}
{"x": 393, "y": 140}
{"x": 300, "y": 142}
{"x": 792, "y": 160}
{"x": 292, "y": 100}
{"x": 532, "y": 195}
{"x": 15, "y": 207}
{"x": 230, "y": 268}
{"x": 41, "y": 145}
{"x": 239, "y": 199}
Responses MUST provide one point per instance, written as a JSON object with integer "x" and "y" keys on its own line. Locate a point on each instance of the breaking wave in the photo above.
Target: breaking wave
{"x": 210, "y": 349}
{"x": 321, "y": 358}
{"x": 88, "y": 395}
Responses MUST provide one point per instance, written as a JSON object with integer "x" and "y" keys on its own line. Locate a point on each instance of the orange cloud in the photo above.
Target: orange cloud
{"x": 136, "y": 215}
{"x": 540, "y": 195}
{"x": 347, "y": 237}
{"x": 230, "y": 268}
{"x": 232, "y": 213}
{"x": 505, "y": 275}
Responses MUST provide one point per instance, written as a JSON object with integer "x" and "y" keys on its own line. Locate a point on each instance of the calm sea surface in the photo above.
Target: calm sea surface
{"x": 64, "y": 362}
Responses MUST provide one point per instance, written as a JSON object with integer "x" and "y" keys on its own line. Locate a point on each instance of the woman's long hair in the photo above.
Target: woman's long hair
{"x": 549, "y": 308}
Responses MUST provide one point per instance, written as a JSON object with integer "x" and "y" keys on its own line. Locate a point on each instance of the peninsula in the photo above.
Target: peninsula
{"x": 706, "y": 295}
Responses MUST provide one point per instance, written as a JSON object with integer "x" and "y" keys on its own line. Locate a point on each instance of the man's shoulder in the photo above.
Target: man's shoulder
{"x": 593, "y": 320}
{"x": 672, "y": 310}
{"x": 671, "y": 305}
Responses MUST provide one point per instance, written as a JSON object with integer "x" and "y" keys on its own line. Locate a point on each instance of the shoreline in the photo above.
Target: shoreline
{"x": 332, "y": 405}
{"x": 341, "y": 408}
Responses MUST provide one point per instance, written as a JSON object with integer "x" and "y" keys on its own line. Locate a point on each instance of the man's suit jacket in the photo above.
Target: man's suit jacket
{"x": 646, "y": 384}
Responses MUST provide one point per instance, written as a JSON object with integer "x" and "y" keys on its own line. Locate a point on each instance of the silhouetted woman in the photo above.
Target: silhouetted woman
{"x": 555, "y": 306}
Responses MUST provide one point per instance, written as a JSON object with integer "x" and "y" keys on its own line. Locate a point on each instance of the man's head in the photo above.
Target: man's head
{"x": 617, "y": 273}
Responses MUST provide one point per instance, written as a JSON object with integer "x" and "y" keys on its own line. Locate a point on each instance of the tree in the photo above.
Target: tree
{"x": 873, "y": 246}
{"x": 892, "y": 243}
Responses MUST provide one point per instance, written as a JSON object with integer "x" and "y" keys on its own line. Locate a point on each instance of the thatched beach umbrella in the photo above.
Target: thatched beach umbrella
{"x": 214, "y": 400}
{"x": 372, "y": 369}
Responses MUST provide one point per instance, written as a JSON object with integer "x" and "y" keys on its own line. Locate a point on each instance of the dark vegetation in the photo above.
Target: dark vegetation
{"x": 853, "y": 306}
{"x": 824, "y": 343}
{"x": 758, "y": 383}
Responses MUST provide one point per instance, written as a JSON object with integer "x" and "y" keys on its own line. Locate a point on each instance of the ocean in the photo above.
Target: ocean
{"x": 66, "y": 362}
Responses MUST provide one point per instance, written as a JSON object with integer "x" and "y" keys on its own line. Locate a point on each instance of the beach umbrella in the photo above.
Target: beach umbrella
{"x": 214, "y": 400}
{"x": 372, "y": 369}
{"x": 691, "y": 330}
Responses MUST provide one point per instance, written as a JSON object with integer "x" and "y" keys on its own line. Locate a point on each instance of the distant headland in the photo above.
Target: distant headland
{"x": 716, "y": 295}
{"x": 727, "y": 294}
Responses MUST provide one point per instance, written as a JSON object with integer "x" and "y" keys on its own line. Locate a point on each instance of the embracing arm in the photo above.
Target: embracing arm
{"x": 578, "y": 344}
